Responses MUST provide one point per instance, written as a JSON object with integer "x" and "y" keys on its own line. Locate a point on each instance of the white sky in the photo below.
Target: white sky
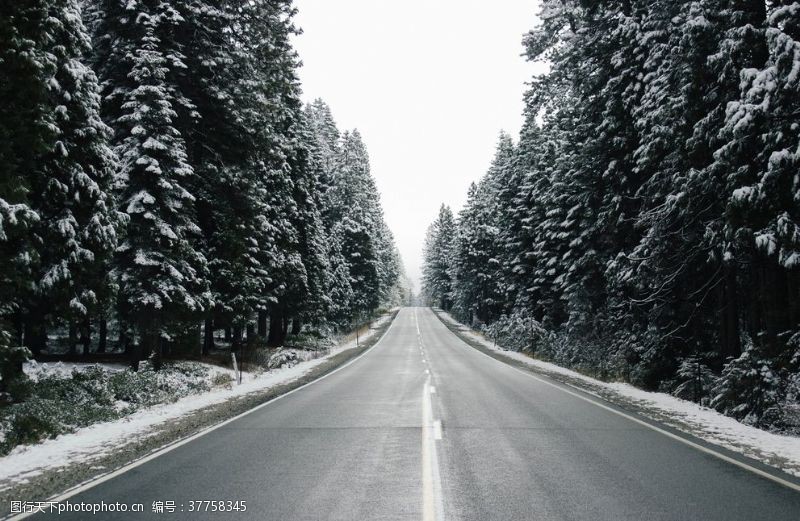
{"x": 429, "y": 84}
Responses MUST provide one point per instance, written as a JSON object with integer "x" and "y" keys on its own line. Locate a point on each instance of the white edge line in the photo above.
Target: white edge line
{"x": 174, "y": 445}
{"x": 681, "y": 439}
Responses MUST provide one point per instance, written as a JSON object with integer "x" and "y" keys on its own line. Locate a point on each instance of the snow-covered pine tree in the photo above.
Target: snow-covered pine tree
{"x": 437, "y": 284}
{"x": 472, "y": 267}
{"x": 661, "y": 287}
{"x": 25, "y": 135}
{"x": 72, "y": 192}
{"x": 16, "y": 221}
{"x": 507, "y": 180}
{"x": 761, "y": 156}
{"x": 363, "y": 263}
{"x": 162, "y": 277}
{"x": 219, "y": 149}
{"x": 310, "y": 303}
{"x": 402, "y": 293}
{"x": 650, "y": 218}
{"x": 541, "y": 198}
{"x": 478, "y": 295}
{"x": 63, "y": 155}
{"x": 601, "y": 67}
{"x": 326, "y": 145}
{"x": 464, "y": 270}
{"x": 290, "y": 244}
{"x": 357, "y": 207}
{"x": 527, "y": 251}
{"x": 244, "y": 180}
{"x": 750, "y": 389}
{"x": 389, "y": 265}
{"x": 325, "y": 152}
{"x": 341, "y": 290}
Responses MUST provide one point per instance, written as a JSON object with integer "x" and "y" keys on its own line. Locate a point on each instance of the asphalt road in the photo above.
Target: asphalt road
{"x": 425, "y": 427}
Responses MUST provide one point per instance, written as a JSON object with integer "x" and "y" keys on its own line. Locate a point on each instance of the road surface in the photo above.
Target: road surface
{"x": 425, "y": 427}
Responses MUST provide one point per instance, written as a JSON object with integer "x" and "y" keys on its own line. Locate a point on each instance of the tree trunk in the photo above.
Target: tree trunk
{"x": 276, "y": 336}
{"x": 251, "y": 332}
{"x": 297, "y": 326}
{"x": 285, "y": 326}
{"x": 238, "y": 347}
{"x": 228, "y": 334}
{"x": 208, "y": 336}
{"x": 102, "y": 335}
{"x": 262, "y": 322}
{"x": 155, "y": 346}
{"x": 135, "y": 351}
{"x": 86, "y": 335}
{"x": 730, "y": 315}
{"x": 35, "y": 334}
{"x": 776, "y": 309}
{"x": 19, "y": 329}
{"x": 73, "y": 338}
{"x": 236, "y": 342}
{"x": 10, "y": 372}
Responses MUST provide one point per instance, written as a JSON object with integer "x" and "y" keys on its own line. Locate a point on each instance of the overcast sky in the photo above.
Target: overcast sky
{"x": 429, "y": 84}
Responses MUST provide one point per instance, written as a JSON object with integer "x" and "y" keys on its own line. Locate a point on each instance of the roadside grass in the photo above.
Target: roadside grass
{"x": 55, "y": 404}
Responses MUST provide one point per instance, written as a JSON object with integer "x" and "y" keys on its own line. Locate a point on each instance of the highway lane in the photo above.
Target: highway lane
{"x": 425, "y": 427}
{"x": 514, "y": 447}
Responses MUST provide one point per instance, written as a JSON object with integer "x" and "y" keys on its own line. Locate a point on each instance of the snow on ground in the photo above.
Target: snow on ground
{"x": 34, "y": 370}
{"x": 100, "y": 439}
{"x": 707, "y": 424}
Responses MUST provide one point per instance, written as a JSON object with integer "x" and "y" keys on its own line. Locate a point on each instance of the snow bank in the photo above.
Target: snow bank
{"x": 780, "y": 451}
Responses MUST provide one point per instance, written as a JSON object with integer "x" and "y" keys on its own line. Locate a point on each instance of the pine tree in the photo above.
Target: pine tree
{"x": 226, "y": 186}
{"x": 357, "y": 207}
{"x": 530, "y": 262}
{"x": 437, "y": 282}
{"x": 66, "y": 165}
{"x": 389, "y": 265}
{"x": 310, "y": 302}
{"x": 325, "y": 152}
{"x": 325, "y": 137}
{"x": 479, "y": 296}
{"x": 677, "y": 276}
{"x": 507, "y": 180}
{"x": 162, "y": 277}
{"x": 341, "y": 290}
{"x": 291, "y": 269}
{"x": 26, "y": 133}
{"x": 763, "y": 209}
{"x": 363, "y": 268}
{"x": 72, "y": 192}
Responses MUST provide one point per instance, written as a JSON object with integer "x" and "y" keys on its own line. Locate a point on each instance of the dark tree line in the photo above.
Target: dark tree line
{"x": 158, "y": 171}
{"x": 646, "y": 220}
